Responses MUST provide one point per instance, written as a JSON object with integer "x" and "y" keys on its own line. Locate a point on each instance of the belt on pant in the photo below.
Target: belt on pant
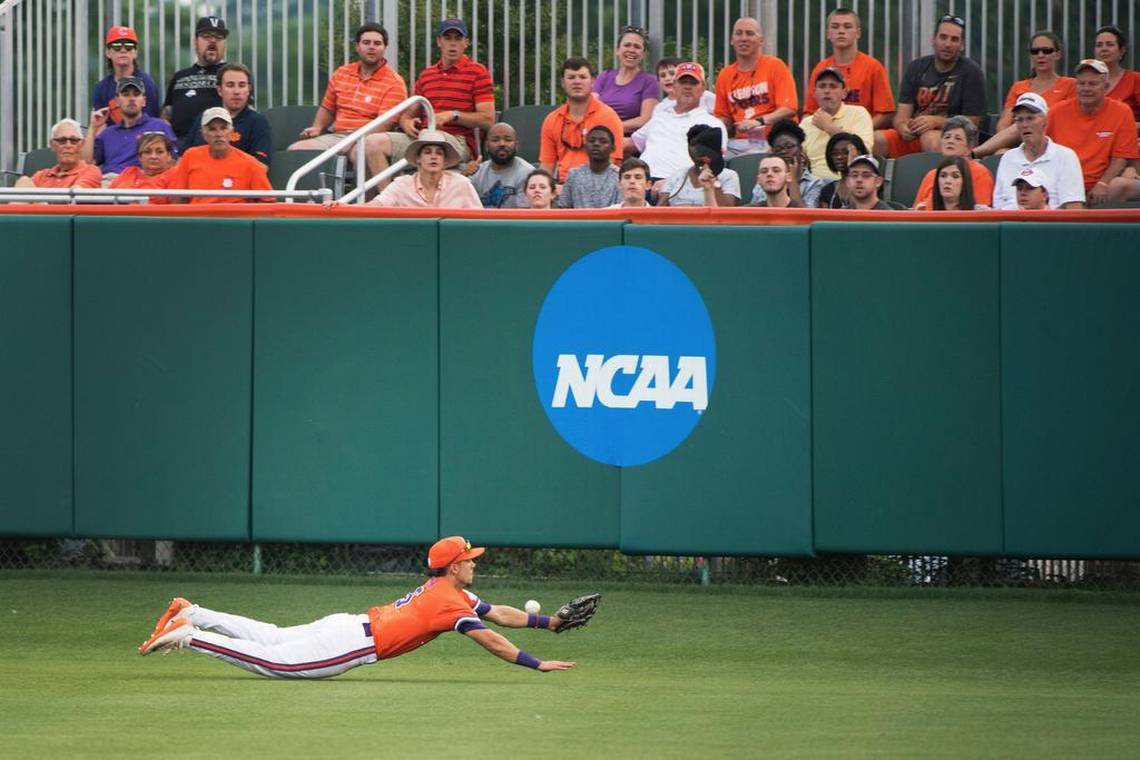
{"x": 368, "y": 629}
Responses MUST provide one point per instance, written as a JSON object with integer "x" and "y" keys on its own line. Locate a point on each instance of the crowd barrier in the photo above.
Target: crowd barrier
{"x": 946, "y": 387}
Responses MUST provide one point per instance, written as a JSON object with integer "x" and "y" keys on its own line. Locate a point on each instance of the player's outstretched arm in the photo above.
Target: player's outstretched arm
{"x": 513, "y": 617}
{"x": 498, "y": 645}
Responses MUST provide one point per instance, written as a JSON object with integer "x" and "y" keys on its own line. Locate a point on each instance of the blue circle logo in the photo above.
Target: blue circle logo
{"x": 624, "y": 356}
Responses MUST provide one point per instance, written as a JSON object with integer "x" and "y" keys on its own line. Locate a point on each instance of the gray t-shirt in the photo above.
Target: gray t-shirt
{"x": 680, "y": 191}
{"x": 584, "y": 189}
{"x": 502, "y": 189}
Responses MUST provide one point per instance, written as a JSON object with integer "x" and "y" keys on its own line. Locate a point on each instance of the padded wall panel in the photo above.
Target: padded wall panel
{"x": 506, "y": 476}
{"x": 1071, "y": 389}
{"x": 35, "y": 384}
{"x": 163, "y": 347}
{"x": 346, "y": 381}
{"x": 741, "y": 482}
{"x": 906, "y": 394}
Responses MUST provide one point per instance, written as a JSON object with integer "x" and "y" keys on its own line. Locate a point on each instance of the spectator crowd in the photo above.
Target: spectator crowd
{"x": 624, "y": 137}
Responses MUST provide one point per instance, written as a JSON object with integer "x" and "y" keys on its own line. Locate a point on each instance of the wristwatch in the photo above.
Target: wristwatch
{"x": 455, "y": 116}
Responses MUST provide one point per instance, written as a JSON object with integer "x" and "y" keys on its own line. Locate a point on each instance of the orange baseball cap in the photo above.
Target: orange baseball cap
{"x": 690, "y": 69}
{"x": 452, "y": 549}
{"x": 121, "y": 33}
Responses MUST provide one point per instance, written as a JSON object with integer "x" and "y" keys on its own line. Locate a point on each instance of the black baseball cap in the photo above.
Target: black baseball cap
{"x": 211, "y": 24}
{"x": 834, "y": 73}
{"x": 126, "y": 82}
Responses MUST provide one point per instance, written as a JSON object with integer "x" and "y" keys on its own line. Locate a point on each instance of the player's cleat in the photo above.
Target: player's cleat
{"x": 177, "y": 604}
{"x": 175, "y": 635}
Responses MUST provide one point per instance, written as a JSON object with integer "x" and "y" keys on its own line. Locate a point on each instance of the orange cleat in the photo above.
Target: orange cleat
{"x": 177, "y": 604}
{"x": 175, "y": 635}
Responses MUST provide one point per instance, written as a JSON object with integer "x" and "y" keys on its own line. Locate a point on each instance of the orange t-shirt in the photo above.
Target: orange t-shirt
{"x": 133, "y": 178}
{"x": 1097, "y": 138}
{"x": 866, "y": 81}
{"x": 198, "y": 170}
{"x": 1063, "y": 89}
{"x": 82, "y": 174}
{"x": 417, "y": 618}
{"x": 1127, "y": 91}
{"x": 980, "y": 176}
{"x": 563, "y": 141}
{"x": 744, "y": 95}
{"x": 354, "y": 103}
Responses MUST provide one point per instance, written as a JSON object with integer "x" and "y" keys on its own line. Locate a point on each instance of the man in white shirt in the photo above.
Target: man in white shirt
{"x": 1066, "y": 185}
{"x": 662, "y": 141}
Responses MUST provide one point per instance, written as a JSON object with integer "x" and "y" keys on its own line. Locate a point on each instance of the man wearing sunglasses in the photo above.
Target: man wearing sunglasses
{"x": 122, "y": 52}
{"x": 70, "y": 170}
{"x": 114, "y": 147}
{"x": 934, "y": 88}
{"x": 195, "y": 88}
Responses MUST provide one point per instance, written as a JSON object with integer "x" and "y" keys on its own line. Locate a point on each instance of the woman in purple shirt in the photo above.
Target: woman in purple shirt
{"x": 627, "y": 89}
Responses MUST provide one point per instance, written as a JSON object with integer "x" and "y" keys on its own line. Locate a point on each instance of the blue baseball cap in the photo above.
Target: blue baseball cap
{"x": 452, "y": 24}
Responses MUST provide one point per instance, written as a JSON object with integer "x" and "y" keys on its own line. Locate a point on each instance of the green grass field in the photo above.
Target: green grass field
{"x": 663, "y": 672}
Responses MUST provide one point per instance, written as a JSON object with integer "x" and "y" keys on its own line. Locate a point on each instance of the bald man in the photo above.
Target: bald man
{"x": 754, "y": 91}
{"x": 500, "y": 180}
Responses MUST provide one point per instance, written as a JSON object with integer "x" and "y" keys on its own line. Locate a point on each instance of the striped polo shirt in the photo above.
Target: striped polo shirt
{"x": 457, "y": 88}
{"x": 355, "y": 102}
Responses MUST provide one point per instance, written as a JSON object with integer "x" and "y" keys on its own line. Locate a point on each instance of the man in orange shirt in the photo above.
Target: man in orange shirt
{"x": 754, "y": 91}
{"x": 70, "y": 171}
{"x": 1098, "y": 128}
{"x": 563, "y": 137}
{"x": 864, "y": 77}
{"x": 217, "y": 165}
{"x": 337, "y": 643}
{"x": 357, "y": 94}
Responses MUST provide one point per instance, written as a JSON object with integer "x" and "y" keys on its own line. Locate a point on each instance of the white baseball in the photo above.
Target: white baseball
{"x": 532, "y": 607}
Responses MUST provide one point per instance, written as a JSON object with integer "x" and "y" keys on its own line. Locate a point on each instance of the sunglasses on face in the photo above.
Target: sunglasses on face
{"x": 118, "y": 47}
{"x": 1042, "y": 51}
{"x": 67, "y": 140}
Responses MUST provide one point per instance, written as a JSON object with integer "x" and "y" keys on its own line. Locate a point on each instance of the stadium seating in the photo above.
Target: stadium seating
{"x": 907, "y": 176}
{"x": 328, "y": 174}
{"x": 286, "y": 123}
{"x": 34, "y": 160}
{"x": 746, "y": 166}
{"x": 527, "y": 121}
{"x": 991, "y": 163}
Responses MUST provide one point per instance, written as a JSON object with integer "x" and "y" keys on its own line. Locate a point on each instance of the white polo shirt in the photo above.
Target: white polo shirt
{"x": 1060, "y": 164}
{"x": 663, "y": 140}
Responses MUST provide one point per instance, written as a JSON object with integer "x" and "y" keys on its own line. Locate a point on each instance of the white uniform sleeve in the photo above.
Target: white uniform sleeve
{"x": 1005, "y": 198}
{"x": 1070, "y": 182}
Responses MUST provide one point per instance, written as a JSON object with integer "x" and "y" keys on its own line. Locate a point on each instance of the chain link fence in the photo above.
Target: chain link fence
{"x": 570, "y": 564}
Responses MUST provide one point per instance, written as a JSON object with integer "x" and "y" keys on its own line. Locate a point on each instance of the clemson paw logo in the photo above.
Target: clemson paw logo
{"x": 228, "y": 182}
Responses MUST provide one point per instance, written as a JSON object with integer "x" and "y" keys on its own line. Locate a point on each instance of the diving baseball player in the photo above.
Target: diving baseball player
{"x": 337, "y": 643}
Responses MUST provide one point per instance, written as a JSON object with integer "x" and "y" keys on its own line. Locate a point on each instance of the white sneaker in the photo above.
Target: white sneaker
{"x": 176, "y": 635}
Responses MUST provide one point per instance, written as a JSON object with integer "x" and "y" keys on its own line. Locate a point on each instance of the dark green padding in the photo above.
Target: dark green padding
{"x": 1071, "y": 390}
{"x": 506, "y": 476}
{"x": 345, "y": 381}
{"x": 906, "y": 394}
{"x": 35, "y": 384}
{"x": 741, "y": 482}
{"x": 162, "y": 391}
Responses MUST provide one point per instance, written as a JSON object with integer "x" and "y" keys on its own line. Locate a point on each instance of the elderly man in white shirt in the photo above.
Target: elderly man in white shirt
{"x": 662, "y": 141}
{"x": 1066, "y": 185}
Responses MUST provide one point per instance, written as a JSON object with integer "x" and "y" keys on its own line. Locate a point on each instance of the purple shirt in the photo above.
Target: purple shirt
{"x": 626, "y": 99}
{"x": 116, "y": 147}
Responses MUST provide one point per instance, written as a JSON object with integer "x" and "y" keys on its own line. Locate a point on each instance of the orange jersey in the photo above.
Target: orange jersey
{"x": 563, "y": 141}
{"x": 1096, "y": 138}
{"x": 744, "y": 95}
{"x": 198, "y": 170}
{"x": 866, "y": 81}
{"x": 1127, "y": 91}
{"x": 980, "y": 176}
{"x": 354, "y": 103}
{"x": 82, "y": 174}
{"x": 132, "y": 178}
{"x": 417, "y": 618}
{"x": 1063, "y": 89}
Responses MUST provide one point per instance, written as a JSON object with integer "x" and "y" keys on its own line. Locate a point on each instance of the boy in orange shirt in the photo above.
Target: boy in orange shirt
{"x": 217, "y": 165}
{"x": 337, "y": 643}
{"x": 864, "y": 77}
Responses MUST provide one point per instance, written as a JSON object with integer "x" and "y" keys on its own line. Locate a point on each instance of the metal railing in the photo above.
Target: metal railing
{"x": 357, "y": 138}
{"x": 51, "y": 51}
{"x": 115, "y": 195}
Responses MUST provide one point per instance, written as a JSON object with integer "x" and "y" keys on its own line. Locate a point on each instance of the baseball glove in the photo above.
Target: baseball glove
{"x": 577, "y": 612}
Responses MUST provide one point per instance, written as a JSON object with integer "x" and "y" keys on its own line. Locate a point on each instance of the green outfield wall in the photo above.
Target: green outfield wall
{"x": 898, "y": 388}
